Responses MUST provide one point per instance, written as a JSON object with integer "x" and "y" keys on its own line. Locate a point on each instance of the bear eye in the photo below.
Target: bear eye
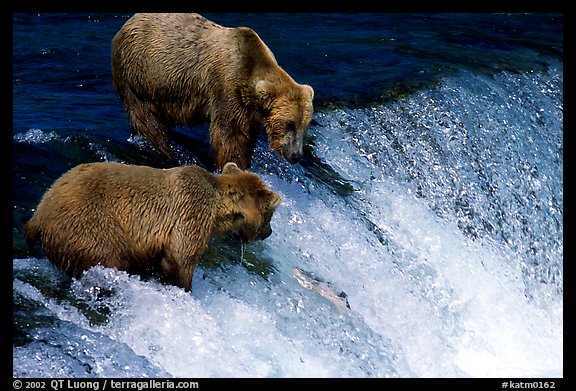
{"x": 291, "y": 126}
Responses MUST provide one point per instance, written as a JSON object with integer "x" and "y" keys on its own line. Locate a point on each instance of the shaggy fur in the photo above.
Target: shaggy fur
{"x": 180, "y": 69}
{"x": 141, "y": 219}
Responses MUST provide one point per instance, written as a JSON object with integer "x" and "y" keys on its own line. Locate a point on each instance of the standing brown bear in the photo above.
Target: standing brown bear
{"x": 142, "y": 219}
{"x": 179, "y": 69}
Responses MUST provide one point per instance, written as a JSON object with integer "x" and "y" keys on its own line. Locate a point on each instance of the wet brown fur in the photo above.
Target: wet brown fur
{"x": 142, "y": 219}
{"x": 180, "y": 69}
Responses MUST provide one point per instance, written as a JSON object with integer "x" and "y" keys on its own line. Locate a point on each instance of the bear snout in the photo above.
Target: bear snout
{"x": 264, "y": 232}
{"x": 247, "y": 235}
{"x": 294, "y": 158}
{"x": 292, "y": 155}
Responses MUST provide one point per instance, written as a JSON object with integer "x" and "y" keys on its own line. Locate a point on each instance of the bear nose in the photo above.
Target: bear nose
{"x": 294, "y": 157}
{"x": 292, "y": 152}
{"x": 264, "y": 233}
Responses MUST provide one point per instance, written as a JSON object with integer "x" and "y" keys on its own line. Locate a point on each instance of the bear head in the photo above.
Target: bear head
{"x": 248, "y": 203}
{"x": 288, "y": 112}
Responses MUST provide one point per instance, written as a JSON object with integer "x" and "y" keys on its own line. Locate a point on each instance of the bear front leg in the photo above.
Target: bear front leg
{"x": 182, "y": 253}
{"x": 176, "y": 274}
{"x": 230, "y": 145}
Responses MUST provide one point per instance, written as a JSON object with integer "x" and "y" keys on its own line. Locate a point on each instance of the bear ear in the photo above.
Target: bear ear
{"x": 308, "y": 91}
{"x": 268, "y": 199}
{"x": 230, "y": 168}
{"x": 264, "y": 90}
{"x": 275, "y": 200}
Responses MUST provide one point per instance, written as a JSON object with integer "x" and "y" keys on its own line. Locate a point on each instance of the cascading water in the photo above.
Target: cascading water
{"x": 448, "y": 248}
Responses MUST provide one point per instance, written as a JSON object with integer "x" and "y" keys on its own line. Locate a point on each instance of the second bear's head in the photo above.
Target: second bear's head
{"x": 248, "y": 205}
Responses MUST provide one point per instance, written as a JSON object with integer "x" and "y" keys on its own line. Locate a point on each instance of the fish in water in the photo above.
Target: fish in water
{"x": 325, "y": 289}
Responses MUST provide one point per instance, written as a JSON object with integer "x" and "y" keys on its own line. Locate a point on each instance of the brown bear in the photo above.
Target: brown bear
{"x": 142, "y": 219}
{"x": 181, "y": 69}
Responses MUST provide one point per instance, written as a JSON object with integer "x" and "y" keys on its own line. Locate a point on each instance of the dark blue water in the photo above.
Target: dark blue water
{"x": 432, "y": 195}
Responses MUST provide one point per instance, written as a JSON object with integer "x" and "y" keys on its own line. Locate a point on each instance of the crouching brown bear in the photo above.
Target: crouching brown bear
{"x": 141, "y": 219}
{"x": 181, "y": 69}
